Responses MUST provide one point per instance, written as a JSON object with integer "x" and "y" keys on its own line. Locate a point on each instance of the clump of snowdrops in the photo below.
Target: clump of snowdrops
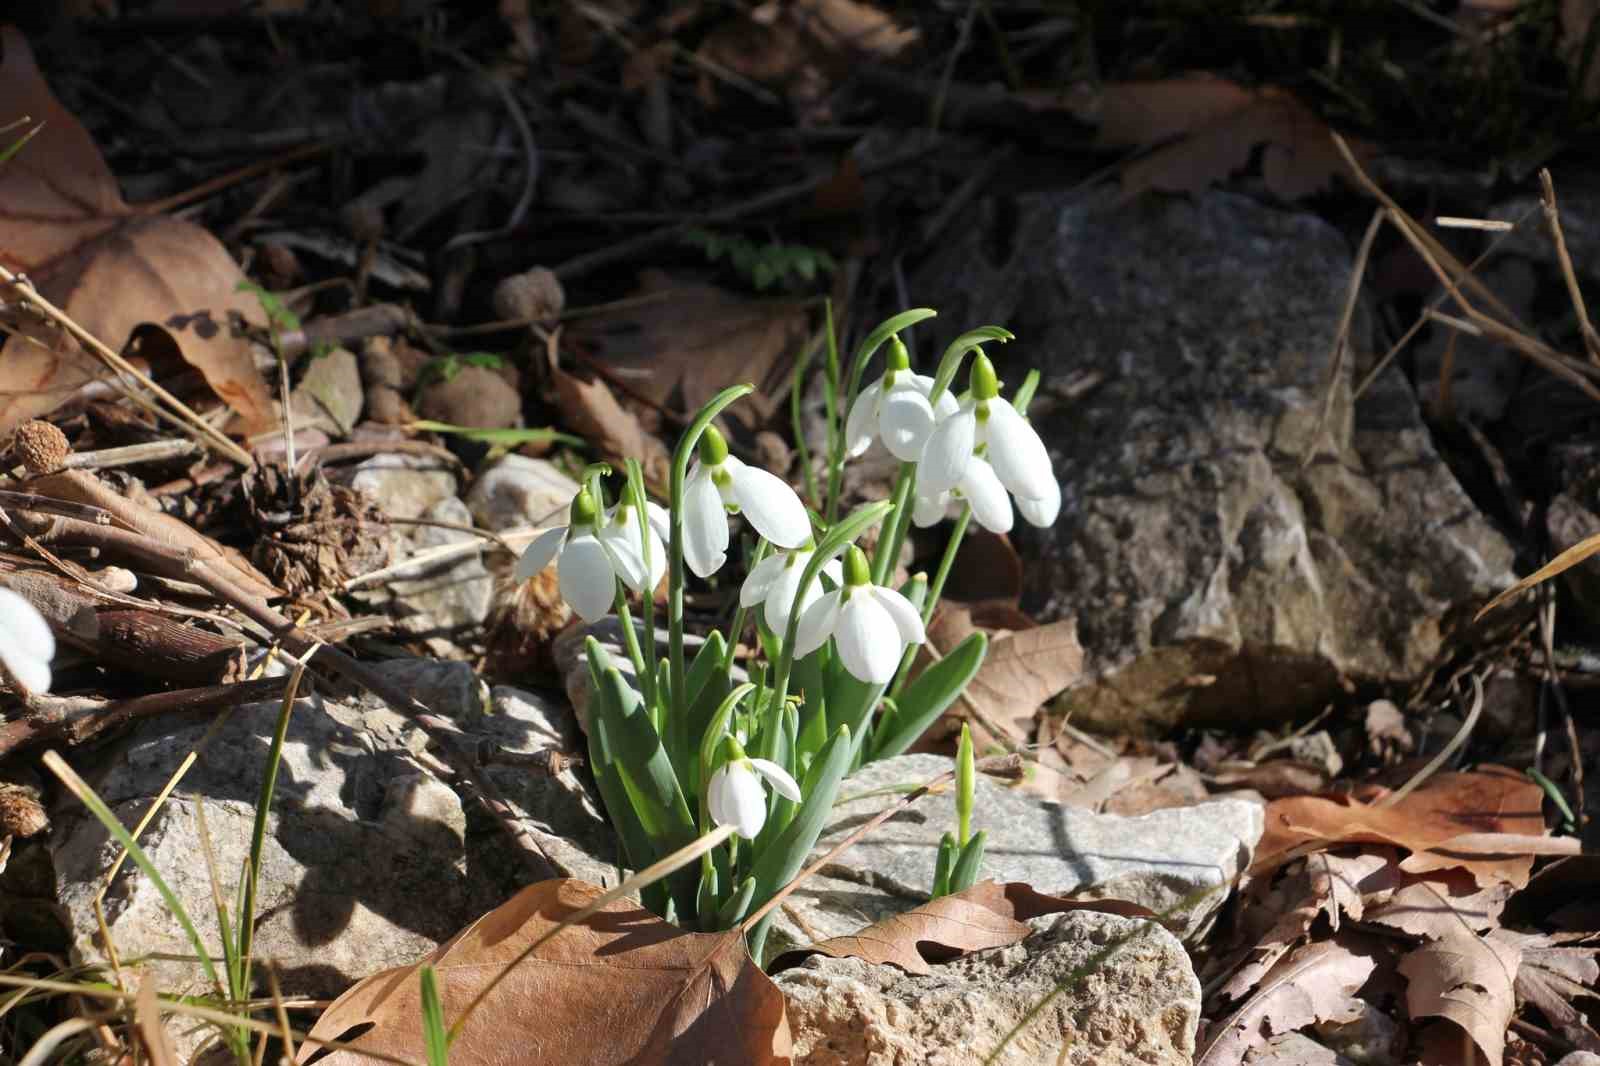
{"x": 696, "y": 745}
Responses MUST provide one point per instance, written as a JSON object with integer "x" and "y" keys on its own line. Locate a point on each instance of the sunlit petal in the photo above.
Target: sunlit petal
{"x": 905, "y": 420}
{"x": 862, "y": 424}
{"x": 758, "y": 584}
{"x": 778, "y": 778}
{"x": 26, "y": 643}
{"x": 587, "y": 580}
{"x": 868, "y": 639}
{"x": 929, "y": 509}
{"x": 1019, "y": 456}
{"x": 705, "y": 525}
{"x": 536, "y": 556}
{"x": 770, "y": 504}
{"x": 1042, "y": 512}
{"x": 948, "y": 452}
{"x": 833, "y": 570}
{"x": 816, "y": 624}
{"x": 735, "y": 797}
{"x": 622, "y": 553}
{"x": 906, "y": 619}
{"x": 982, "y": 489}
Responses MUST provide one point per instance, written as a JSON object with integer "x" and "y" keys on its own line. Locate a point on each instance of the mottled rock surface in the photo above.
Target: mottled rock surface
{"x": 1178, "y": 861}
{"x": 1138, "y": 1002}
{"x": 1214, "y": 580}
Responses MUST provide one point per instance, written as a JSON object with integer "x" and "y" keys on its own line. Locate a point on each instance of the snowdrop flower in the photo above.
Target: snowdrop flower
{"x": 719, "y": 483}
{"x": 26, "y": 643}
{"x": 735, "y": 795}
{"x": 896, "y": 408}
{"x": 1013, "y": 449}
{"x": 1043, "y": 511}
{"x": 620, "y": 534}
{"x": 775, "y": 580}
{"x": 980, "y": 487}
{"x": 590, "y": 556}
{"x": 871, "y": 625}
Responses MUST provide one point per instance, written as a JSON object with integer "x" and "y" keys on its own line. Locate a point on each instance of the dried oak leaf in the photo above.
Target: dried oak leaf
{"x": 109, "y": 266}
{"x": 590, "y": 410}
{"x": 1314, "y": 983}
{"x": 1466, "y": 980}
{"x": 987, "y": 915}
{"x": 620, "y": 986}
{"x": 1201, "y": 129}
{"x": 1557, "y": 970}
{"x": 1454, "y": 820}
{"x": 1023, "y": 670}
{"x": 683, "y": 342}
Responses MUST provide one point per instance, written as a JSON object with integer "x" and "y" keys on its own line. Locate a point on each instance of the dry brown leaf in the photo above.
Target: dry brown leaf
{"x": 1314, "y": 983}
{"x": 1445, "y": 902}
{"x": 803, "y": 45}
{"x": 854, "y": 28}
{"x": 688, "y": 341}
{"x": 1489, "y": 800}
{"x": 64, "y": 223}
{"x": 1468, "y": 981}
{"x": 1557, "y": 970}
{"x": 987, "y": 915}
{"x": 620, "y": 986}
{"x": 1023, "y": 671}
{"x": 1219, "y": 124}
{"x": 589, "y": 409}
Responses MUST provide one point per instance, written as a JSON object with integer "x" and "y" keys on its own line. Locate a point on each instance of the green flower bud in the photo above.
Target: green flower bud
{"x": 966, "y": 785}
{"x": 856, "y": 569}
{"x": 713, "y": 449}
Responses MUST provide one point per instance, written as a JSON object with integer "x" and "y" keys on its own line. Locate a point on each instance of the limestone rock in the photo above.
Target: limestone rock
{"x": 369, "y": 860}
{"x": 444, "y": 602}
{"x": 1177, "y": 861}
{"x": 329, "y": 396}
{"x": 1213, "y": 579}
{"x": 1138, "y": 1004}
{"x": 405, "y": 486}
{"x": 519, "y": 491}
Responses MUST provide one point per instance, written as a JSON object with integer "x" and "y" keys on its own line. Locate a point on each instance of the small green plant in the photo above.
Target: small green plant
{"x": 960, "y": 853}
{"x": 763, "y": 265}
{"x": 687, "y": 747}
{"x": 445, "y": 367}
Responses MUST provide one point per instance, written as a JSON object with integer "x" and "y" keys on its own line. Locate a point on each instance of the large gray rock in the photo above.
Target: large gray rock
{"x": 369, "y": 861}
{"x": 444, "y": 602}
{"x": 1213, "y": 579}
{"x": 520, "y": 491}
{"x": 1179, "y": 862}
{"x": 1121, "y": 993}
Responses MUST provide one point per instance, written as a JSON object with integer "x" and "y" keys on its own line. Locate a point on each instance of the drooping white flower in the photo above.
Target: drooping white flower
{"x": 590, "y": 556}
{"x": 978, "y": 486}
{"x": 775, "y": 580}
{"x": 1043, "y": 511}
{"x": 720, "y": 483}
{"x": 871, "y": 625}
{"x": 26, "y": 643}
{"x": 896, "y": 408}
{"x": 1013, "y": 449}
{"x": 735, "y": 795}
{"x": 621, "y": 535}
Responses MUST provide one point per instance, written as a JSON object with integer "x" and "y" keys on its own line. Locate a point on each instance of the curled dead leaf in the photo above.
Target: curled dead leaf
{"x": 987, "y": 915}
{"x": 111, "y": 268}
{"x": 1314, "y": 983}
{"x": 1468, "y": 981}
{"x": 620, "y": 986}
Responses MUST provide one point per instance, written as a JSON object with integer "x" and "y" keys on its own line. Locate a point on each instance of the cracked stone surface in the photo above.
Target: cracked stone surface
{"x": 1177, "y": 861}
{"x": 1138, "y": 1004}
{"x": 1214, "y": 579}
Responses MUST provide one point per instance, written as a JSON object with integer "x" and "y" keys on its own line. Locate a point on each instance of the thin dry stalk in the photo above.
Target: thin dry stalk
{"x": 1341, "y": 338}
{"x": 1552, "y": 217}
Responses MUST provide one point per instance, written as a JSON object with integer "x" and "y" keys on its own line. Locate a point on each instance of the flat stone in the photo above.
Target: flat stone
{"x": 405, "y": 486}
{"x": 1138, "y": 1004}
{"x": 330, "y": 396}
{"x": 445, "y": 602}
{"x": 1177, "y": 861}
{"x": 1214, "y": 580}
{"x": 518, "y": 491}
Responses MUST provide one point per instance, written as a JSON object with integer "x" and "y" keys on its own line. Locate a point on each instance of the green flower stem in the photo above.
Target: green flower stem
{"x": 630, "y": 641}
{"x": 830, "y": 402}
{"x": 936, "y": 586}
{"x": 839, "y": 537}
{"x": 647, "y": 598}
{"x": 869, "y": 347}
{"x": 888, "y": 550}
{"x": 762, "y": 548}
{"x": 950, "y": 362}
{"x": 678, "y": 698}
{"x": 796, "y": 391}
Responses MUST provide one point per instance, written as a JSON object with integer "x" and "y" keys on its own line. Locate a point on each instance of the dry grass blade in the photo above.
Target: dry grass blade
{"x": 147, "y": 1019}
{"x": 1565, "y": 561}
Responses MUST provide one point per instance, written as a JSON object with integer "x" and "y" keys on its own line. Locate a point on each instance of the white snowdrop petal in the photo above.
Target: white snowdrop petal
{"x": 587, "y": 581}
{"x": 867, "y": 638}
{"x": 31, "y": 672}
{"x": 622, "y": 554}
{"x": 29, "y": 632}
{"x": 947, "y": 405}
{"x": 990, "y": 504}
{"x": 1044, "y": 511}
{"x": 816, "y": 624}
{"x": 705, "y": 525}
{"x": 906, "y": 619}
{"x": 929, "y": 508}
{"x": 862, "y": 422}
{"x": 720, "y": 797}
{"x": 778, "y": 778}
{"x": 1018, "y": 455}
{"x": 780, "y": 601}
{"x": 748, "y": 801}
{"x": 536, "y": 556}
{"x": 758, "y": 583}
{"x": 905, "y": 420}
{"x": 949, "y": 450}
{"x": 771, "y": 505}
{"x": 833, "y": 570}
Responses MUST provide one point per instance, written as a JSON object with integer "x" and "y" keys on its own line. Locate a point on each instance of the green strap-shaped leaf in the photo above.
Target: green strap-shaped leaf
{"x": 965, "y": 874}
{"x": 737, "y": 905}
{"x": 943, "y": 863}
{"x": 922, "y": 701}
{"x": 786, "y": 854}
